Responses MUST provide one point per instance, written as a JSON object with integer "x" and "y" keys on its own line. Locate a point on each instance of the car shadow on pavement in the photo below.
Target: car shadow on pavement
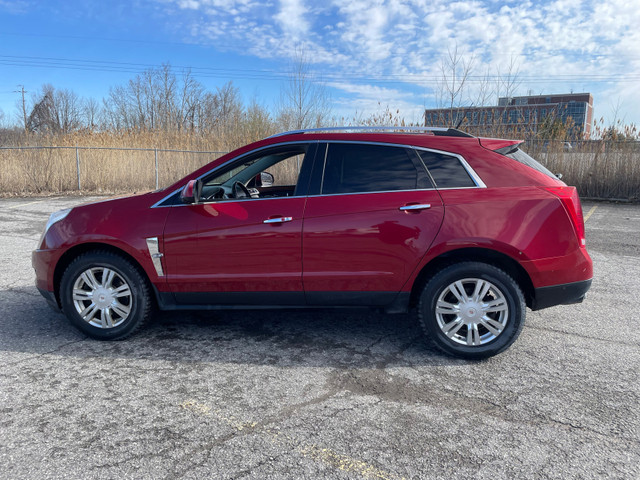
{"x": 288, "y": 337}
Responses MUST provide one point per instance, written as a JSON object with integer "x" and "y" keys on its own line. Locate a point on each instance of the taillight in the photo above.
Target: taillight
{"x": 571, "y": 201}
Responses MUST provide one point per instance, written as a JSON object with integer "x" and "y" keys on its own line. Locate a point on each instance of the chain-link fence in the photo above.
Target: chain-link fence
{"x": 95, "y": 169}
{"x": 600, "y": 169}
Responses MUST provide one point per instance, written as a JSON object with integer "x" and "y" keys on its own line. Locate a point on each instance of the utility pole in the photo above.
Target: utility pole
{"x": 24, "y": 108}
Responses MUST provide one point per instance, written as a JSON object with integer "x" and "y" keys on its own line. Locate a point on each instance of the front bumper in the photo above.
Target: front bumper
{"x": 50, "y": 298}
{"x": 564, "y": 294}
{"x": 42, "y": 262}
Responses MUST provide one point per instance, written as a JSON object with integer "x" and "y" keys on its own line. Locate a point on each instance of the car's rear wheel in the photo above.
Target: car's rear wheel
{"x": 472, "y": 310}
{"x": 105, "y": 295}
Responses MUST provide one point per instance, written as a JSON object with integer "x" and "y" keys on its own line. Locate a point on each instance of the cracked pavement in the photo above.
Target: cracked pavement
{"x": 317, "y": 394}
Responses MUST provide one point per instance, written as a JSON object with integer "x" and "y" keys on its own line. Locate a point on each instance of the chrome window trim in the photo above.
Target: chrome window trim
{"x": 377, "y": 191}
{"x": 472, "y": 173}
{"x": 243, "y": 200}
{"x": 474, "y": 176}
{"x": 228, "y": 200}
{"x": 298, "y": 142}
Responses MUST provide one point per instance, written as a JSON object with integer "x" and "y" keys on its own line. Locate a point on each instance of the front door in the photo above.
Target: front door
{"x": 241, "y": 245}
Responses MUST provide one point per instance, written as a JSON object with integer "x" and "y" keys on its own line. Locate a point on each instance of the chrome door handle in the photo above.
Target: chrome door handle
{"x": 278, "y": 220}
{"x": 422, "y": 206}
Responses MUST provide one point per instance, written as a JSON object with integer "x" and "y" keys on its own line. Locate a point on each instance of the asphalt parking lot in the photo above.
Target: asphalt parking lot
{"x": 311, "y": 394}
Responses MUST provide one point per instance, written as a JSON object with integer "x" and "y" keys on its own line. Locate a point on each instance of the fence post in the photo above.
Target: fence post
{"x": 156, "y": 156}
{"x": 78, "y": 167}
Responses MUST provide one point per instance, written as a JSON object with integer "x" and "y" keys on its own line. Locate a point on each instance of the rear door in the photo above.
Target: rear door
{"x": 372, "y": 218}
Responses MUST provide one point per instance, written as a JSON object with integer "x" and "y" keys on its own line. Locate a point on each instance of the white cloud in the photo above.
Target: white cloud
{"x": 189, "y": 4}
{"x": 557, "y": 44}
{"x": 292, "y": 18}
{"x": 15, "y": 6}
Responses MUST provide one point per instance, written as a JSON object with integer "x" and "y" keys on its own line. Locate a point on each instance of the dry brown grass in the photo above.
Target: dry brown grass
{"x": 108, "y": 163}
{"x": 602, "y": 169}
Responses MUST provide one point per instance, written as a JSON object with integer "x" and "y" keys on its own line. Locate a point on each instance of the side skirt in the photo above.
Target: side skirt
{"x": 390, "y": 302}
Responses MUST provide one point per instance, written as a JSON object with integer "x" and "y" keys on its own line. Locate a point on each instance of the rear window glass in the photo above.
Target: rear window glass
{"x": 446, "y": 170}
{"x": 525, "y": 159}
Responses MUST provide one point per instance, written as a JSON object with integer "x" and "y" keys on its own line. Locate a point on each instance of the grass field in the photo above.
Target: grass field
{"x": 126, "y": 163}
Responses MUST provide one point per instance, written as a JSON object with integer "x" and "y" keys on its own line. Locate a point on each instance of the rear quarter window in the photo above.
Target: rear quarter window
{"x": 446, "y": 170}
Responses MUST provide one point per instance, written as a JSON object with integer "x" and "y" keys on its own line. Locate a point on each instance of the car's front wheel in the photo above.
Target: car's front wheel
{"x": 472, "y": 310}
{"x": 105, "y": 296}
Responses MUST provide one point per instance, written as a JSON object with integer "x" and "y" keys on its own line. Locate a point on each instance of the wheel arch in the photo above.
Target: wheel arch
{"x": 68, "y": 257}
{"x": 473, "y": 254}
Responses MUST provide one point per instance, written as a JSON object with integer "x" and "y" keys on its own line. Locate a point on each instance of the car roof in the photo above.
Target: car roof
{"x": 436, "y": 131}
{"x": 426, "y": 137}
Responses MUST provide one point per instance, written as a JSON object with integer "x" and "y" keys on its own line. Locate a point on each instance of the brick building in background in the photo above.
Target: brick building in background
{"x": 526, "y": 113}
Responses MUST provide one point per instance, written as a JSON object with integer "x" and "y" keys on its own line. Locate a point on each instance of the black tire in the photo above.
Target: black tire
{"x": 475, "y": 331}
{"x": 118, "y": 304}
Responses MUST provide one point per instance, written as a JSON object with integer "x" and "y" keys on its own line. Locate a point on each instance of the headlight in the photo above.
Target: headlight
{"x": 55, "y": 217}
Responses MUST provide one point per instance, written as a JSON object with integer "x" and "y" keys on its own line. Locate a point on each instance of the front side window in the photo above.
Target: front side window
{"x": 272, "y": 172}
{"x": 361, "y": 168}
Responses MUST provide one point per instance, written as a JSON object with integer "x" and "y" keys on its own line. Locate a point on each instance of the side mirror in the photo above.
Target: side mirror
{"x": 266, "y": 179}
{"x": 191, "y": 192}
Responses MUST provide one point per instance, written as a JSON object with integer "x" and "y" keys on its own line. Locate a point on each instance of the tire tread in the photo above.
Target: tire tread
{"x": 469, "y": 265}
{"x": 142, "y": 283}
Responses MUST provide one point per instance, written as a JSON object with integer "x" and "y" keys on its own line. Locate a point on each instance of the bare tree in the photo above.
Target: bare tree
{"x": 229, "y": 103}
{"x": 455, "y": 70}
{"x": 485, "y": 94}
{"x": 40, "y": 119}
{"x": 157, "y": 99}
{"x": 189, "y": 99}
{"x": 508, "y": 82}
{"x": 91, "y": 111}
{"x": 68, "y": 110}
{"x": 55, "y": 111}
{"x": 257, "y": 122}
{"x": 304, "y": 100}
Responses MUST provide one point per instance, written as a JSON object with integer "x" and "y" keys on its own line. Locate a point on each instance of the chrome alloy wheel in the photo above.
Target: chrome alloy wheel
{"x": 102, "y": 297}
{"x": 472, "y": 312}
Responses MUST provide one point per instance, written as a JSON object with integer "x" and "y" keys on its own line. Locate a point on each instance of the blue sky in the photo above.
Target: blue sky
{"x": 370, "y": 54}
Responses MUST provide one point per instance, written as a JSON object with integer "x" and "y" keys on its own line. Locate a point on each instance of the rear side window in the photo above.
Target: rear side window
{"x": 522, "y": 157}
{"x": 353, "y": 168}
{"x": 446, "y": 170}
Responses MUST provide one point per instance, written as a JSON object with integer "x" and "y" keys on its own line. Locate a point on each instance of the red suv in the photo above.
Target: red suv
{"x": 468, "y": 231}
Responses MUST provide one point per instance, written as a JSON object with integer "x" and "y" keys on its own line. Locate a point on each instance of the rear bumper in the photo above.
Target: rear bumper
{"x": 575, "y": 267}
{"x": 565, "y": 294}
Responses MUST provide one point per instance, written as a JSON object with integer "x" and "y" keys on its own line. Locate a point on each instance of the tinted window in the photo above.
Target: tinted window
{"x": 446, "y": 170}
{"x": 353, "y": 168}
{"x": 525, "y": 159}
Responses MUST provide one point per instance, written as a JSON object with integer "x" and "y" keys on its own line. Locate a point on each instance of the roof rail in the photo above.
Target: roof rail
{"x": 440, "y": 131}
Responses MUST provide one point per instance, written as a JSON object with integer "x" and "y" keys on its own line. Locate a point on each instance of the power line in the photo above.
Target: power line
{"x": 254, "y": 74}
{"x": 244, "y": 46}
